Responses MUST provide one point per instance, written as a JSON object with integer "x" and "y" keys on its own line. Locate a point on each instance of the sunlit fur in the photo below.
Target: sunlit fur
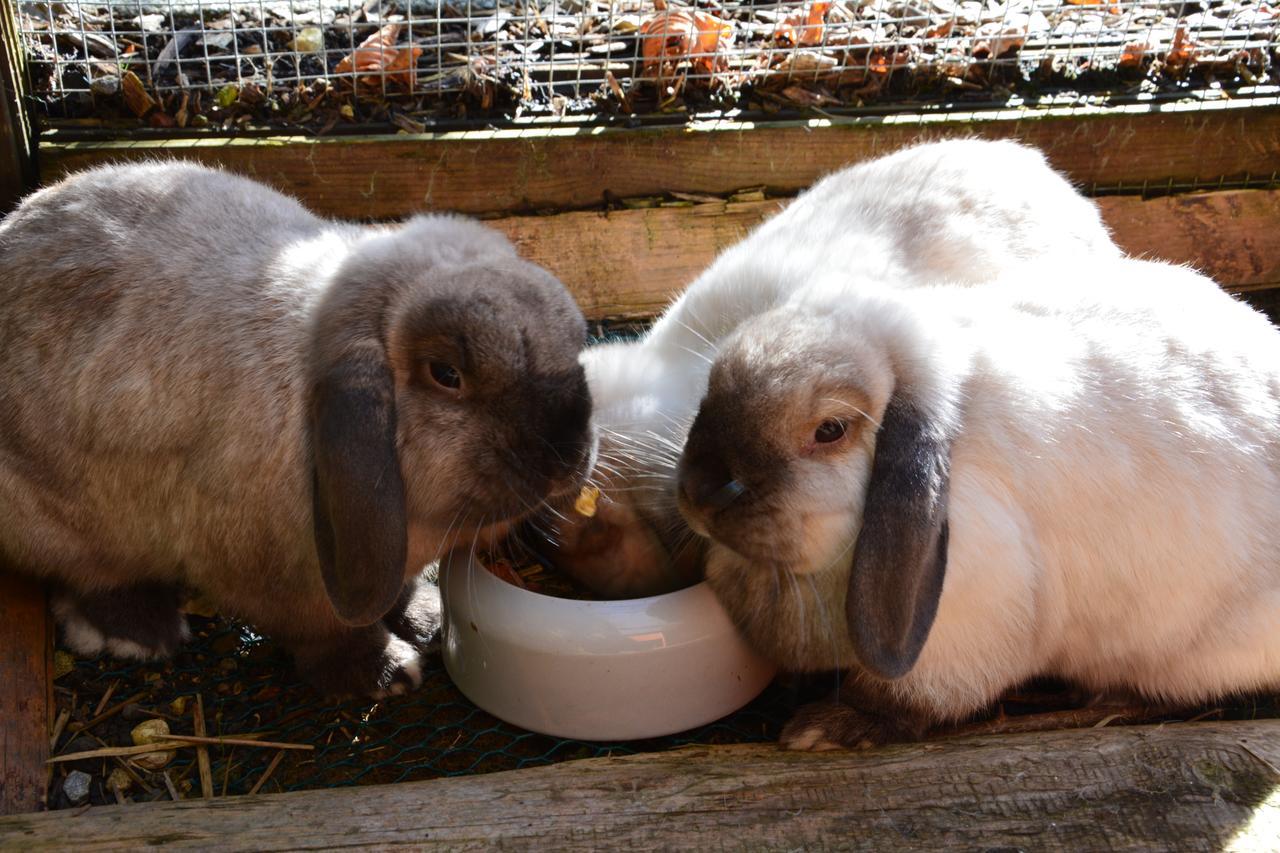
{"x": 961, "y": 210}
{"x": 1114, "y": 485}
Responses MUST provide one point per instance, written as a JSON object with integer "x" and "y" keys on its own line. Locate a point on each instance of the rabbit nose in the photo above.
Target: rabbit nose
{"x": 725, "y": 495}
{"x": 713, "y": 495}
{"x": 711, "y": 490}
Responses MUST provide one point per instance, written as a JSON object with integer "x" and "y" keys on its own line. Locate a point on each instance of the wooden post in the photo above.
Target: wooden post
{"x": 17, "y": 172}
{"x": 26, "y": 671}
{"x": 26, "y": 697}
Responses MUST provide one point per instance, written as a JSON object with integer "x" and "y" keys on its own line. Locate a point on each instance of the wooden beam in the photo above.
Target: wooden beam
{"x": 1189, "y": 787}
{"x": 561, "y": 168}
{"x": 1230, "y": 236}
{"x": 17, "y": 175}
{"x": 629, "y": 263}
{"x": 26, "y": 699}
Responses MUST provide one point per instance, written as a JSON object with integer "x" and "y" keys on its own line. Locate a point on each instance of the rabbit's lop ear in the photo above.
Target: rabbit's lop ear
{"x": 901, "y": 554}
{"x": 360, "y": 525}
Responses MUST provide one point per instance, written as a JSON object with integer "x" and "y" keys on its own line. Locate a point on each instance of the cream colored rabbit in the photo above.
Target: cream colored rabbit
{"x": 947, "y": 491}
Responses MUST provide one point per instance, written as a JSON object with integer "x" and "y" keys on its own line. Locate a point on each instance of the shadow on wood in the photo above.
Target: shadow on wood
{"x": 1185, "y": 786}
{"x": 384, "y": 177}
{"x": 25, "y": 697}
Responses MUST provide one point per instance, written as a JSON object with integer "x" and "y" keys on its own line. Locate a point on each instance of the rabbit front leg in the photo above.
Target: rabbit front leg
{"x": 377, "y": 660}
{"x": 859, "y": 716}
{"x": 369, "y": 661}
{"x": 417, "y": 614}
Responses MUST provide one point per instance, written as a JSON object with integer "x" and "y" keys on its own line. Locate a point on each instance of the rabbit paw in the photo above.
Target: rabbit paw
{"x": 416, "y": 616}
{"x": 368, "y": 661}
{"x": 834, "y": 725}
{"x": 142, "y": 622}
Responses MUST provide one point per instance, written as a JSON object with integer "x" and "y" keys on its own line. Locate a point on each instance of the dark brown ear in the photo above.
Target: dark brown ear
{"x": 901, "y": 555}
{"x": 359, "y": 512}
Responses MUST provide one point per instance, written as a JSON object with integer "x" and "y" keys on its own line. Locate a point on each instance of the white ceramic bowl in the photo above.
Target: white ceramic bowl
{"x": 594, "y": 670}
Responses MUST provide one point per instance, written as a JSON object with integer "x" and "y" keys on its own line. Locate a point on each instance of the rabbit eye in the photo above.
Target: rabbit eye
{"x": 829, "y": 430}
{"x": 445, "y": 375}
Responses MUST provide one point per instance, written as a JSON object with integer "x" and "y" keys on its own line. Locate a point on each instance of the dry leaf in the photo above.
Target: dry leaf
{"x": 505, "y": 571}
{"x": 811, "y": 62}
{"x": 672, "y": 36}
{"x": 1183, "y": 49}
{"x": 804, "y": 27}
{"x": 135, "y": 95}
{"x": 1133, "y": 54}
{"x": 378, "y": 58}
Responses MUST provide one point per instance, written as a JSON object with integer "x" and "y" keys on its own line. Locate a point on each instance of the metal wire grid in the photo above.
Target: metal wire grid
{"x": 572, "y": 56}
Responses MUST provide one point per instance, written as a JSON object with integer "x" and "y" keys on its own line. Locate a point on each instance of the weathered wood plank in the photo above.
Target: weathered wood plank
{"x": 1187, "y": 787}
{"x": 25, "y": 697}
{"x": 382, "y": 177}
{"x": 1230, "y": 236}
{"x": 630, "y": 262}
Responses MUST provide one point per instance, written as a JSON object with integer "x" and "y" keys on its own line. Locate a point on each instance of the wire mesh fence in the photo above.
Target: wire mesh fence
{"x": 326, "y": 64}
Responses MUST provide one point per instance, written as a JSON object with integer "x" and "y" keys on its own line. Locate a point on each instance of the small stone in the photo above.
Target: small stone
{"x": 76, "y": 787}
{"x": 151, "y": 731}
{"x": 119, "y": 780}
{"x": 178, "y": 706}
{"x": 106, "y": 85}
{"x": 309, "y": 40}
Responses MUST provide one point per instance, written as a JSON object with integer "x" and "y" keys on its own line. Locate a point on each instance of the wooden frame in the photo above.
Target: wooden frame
{"x": 1209, "y": 786}
{"x": 16, "y": 168}
{"x": 25, "y": 647}
{"x": 559, "y": 171}
{"x": 26, "y": 698}
{"x": 624, "y": 259}
{"x": 383, "y": 177}
{"x": 629, "y": 263}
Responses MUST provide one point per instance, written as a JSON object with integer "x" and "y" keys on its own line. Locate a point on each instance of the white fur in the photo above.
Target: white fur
{"x": 1115, "y": 482}
{"x": 961, "y": 210}
{"x": 79, "y": 636}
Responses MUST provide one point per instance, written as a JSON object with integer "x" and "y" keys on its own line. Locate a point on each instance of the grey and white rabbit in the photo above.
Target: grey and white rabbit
{"x": 961, "y": 210}
{"x": 204, "y": 386}
{"x": 1072, "y": 472}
